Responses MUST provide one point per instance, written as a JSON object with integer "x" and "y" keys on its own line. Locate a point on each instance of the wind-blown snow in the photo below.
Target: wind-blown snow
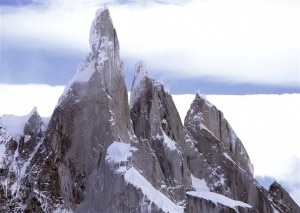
{"x": 133, "y": 177}
{"x": 218, "y": 198}
{"x": 202, "y": 191}
{"x": 119, "y": 152}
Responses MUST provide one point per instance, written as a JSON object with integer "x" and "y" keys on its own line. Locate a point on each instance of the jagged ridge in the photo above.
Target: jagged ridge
{"x": 101, "y": 154}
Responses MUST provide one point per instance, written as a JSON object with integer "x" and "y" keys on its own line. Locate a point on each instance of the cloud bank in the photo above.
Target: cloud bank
{"x": 237, "y": 41}
{"x": 266, "y": 124}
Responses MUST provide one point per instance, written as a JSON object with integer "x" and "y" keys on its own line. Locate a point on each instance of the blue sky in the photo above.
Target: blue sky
{"x": 235, "y": 47}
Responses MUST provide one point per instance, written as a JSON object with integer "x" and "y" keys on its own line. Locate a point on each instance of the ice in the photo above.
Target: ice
{"x": 133, "y": 177}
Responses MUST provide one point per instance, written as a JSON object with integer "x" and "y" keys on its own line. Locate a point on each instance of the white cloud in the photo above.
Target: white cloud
{"x": 238, "y": 41}
{"x": 266, "y": 124}
{"x": 21, "y": 99}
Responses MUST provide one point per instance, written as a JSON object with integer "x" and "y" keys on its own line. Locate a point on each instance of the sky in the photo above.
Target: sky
{"x": 231, "y": 47}
{"x": 216, "y": 46}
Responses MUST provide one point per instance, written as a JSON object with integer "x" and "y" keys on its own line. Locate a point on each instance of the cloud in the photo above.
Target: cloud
{"x": 237, "y": 41}
{"x": 268, "y": 128}
{"x": 266, "y": 124}
{"x": 21, "y": 99}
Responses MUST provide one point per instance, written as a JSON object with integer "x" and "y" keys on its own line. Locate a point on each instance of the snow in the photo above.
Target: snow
{"x": 202, "y": 191}
{"x": 247, "y": 114}
{"x": 169, "y": 143}
{"x": 94, "y": 38}
{"x": 83, "y": 75}
{"x": 139, "y": 76}
{"x": 228, "y": 157}
{"x": 119, "y": 152}
{"x": 133, "y": 177}
{"x": 199, "y": 184}
{"x": 14, "y": 125}
{"x": 250, "y": 167}
{"x": 218, "y": 198}
{"x": 21, "y": 168}
{"x": 27, "y": 138}
{"x": 3, "y": 138}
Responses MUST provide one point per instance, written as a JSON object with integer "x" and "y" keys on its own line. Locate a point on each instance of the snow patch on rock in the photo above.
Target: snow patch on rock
{"x": 135, "y": 178}
{"x": 169, "y": 143}
{"x": 119, "y": 152}
{"x": 199, "y": 184}
{"x": 218, "y": 198}
{"x": 14, "y": 125}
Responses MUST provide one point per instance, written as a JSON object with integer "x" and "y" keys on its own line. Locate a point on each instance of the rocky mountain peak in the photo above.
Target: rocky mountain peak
{"x": 102, "y": 33}
{"x": 139, "y": 81}
{"x": 100, "y": 155}
{"x": 140, "y": 71}
{"x": 104, "y": 59}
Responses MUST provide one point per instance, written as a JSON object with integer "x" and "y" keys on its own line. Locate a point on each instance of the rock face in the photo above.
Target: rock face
{"x": 281, "y": 199}
{"x": 20, "y": 163}
{"x": 101, "y": 154}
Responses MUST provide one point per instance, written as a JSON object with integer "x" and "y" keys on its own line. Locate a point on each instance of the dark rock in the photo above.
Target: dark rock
{"x": 282, "y": 201}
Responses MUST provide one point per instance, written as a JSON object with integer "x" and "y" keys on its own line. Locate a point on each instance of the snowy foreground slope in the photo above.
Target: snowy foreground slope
{"x": 98, "y": 153}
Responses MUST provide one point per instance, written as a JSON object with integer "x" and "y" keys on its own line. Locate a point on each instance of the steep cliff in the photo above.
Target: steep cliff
{"x": 101, "y": 154}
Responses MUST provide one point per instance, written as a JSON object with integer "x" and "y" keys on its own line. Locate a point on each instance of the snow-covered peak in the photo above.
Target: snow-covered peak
{"x": 138, "y": 84}
{"x": 101, "y": 27}
{"x": 14, "y": 125}
{"x": 33, "y": 111}
{"x": 203, "y": 97}
{"x": 104, "y": 47}
{"x": 101, "y": 9}
{"x": 140, "y": 73}
{"x": 140, "y": 70}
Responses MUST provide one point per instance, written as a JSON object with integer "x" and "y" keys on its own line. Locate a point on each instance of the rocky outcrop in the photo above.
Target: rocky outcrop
{"x": 157, "y": 123}
{"x": 19, "y": 168}
{"x": 101, "y": 154}
{"x": 92, "y": 114}
{"x": 225, "y": 153}
{"x": 281, "y": 200}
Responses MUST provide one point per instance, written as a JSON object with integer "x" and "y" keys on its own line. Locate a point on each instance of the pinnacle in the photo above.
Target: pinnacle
{"x": 140, "y": 69}
{"x": 102, "y": 29}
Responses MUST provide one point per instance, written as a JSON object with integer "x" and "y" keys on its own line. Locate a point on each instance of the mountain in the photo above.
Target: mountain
{"x": 100, "y": 153}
